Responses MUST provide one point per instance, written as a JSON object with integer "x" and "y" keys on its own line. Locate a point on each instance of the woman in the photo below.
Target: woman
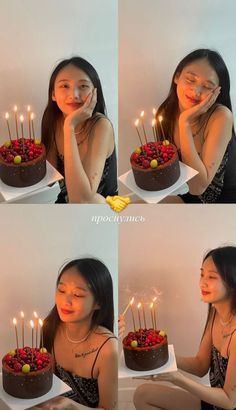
{"x": 198, "y": 119}
{"x": 78, "y": 136}
{"x": 217, "y": 351}
{"x": 78, "y": 332}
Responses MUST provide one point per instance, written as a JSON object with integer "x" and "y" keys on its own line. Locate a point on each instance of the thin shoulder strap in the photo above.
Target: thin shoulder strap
{"x": 229, "y": 342}
{"x": 213, "y": 320}
{"x": 110, "y": 337}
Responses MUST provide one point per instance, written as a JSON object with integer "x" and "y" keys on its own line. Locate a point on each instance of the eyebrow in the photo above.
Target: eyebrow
{"x": 210, "y": 270}
{"x": 80, "y": 81}
{"x": 207, "y": 81}
{"x": 76, "y": 287}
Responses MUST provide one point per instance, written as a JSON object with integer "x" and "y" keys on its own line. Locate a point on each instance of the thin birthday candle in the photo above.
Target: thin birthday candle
{"x": 154, "y": 129}
{"x": 154, "y": 313}
{"x": 17, "y": 341}
{"x": 151, "y": 307}
{"x": 41, "y": 325}
{"x": 16, "y": 122}
{"x": 142, "y": 122}
{"x": 127, "y": 307}
{"x": 144, "y": 317}
{"x": 32, "y": 327}
{"x": 36, "y": 323}
{"x": 29, "y": 118}
{"x": 22, "y": 328}
{"x": 136, "y": 126}
{"x": 139, "y": 319}
{"x": 131, "y": 306}
{"x": 162, "y": 131}
{"x": 32, "y": 123}
{"x": 8, "y": 127}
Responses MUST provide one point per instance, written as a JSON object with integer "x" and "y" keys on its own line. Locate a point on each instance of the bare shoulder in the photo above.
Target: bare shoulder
{"x": 220, "y": 113}
{"x": 108, "y": 338}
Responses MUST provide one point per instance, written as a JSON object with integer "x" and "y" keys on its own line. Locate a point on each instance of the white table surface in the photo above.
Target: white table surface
{"x": 153, "y": 197}
{"x": 170, "y": 366}
{"x": 10, "y": 193}
{"x": 58, "y": 388}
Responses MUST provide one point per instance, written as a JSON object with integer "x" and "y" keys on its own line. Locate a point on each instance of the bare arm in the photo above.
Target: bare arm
{"x": 107, "y": 377}
{"x": 214, "y": 147}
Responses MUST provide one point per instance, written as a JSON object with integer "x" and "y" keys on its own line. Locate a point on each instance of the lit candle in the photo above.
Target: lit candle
{"x": 16, "y": 122}
{"x": 139, "y": 319}
{"x": 154, "y": 111}
{"x": 127, "y": 307}
{"x": 132, "y": 311}
{"x": 41, "y": 325}
{"x": 154, "y": 129}
{"x": 136, "y": 126}
{"x": 32, "y": 327}
{"x": 17, "y": 342}
{"x": 162, "y": 131}
{"x": 142, "y": 122}
{"x": 22, "y": 328}
{"x": 151, "y": 307}
{"x": 22, "y": 132}
{"x": 8, "y": 127}
{"x": 144, "y": 317}
{"x": 29, "y": 118}
{"x": 154, "y": 313}
{"x": 32, "y": 123}
{"x": 36, "y": 323}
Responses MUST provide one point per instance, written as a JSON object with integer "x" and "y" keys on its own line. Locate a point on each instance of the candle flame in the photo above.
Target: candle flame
{"x": 21, "y": 118}
{"x": 41, "y": 322}
{"x": 35, "y": 315}
{"x": 15, "y": 108}
{"x": 153, "y": 122}
{"x": 32, "y": 323}
{"x": 154, "y": 299}
{"x": 142, "y": 114}
{"x": 154, "y": 111}
{"x": 151, "y": 306}
{"x": 32, "y": 116}
{"x": 139, "y": 305}
{"x": 22, "y": 314}
{"x": 28, "y": 108}
{"x": 6, "y": 115}
{"x": 14, "y": 321}
{"x": 132, "y": 301}
{"x": 160, "y": 118}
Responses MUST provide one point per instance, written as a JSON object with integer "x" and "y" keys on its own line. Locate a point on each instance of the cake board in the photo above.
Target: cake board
{"x": 13, "y": 403}
{"x": 10, "y": 193}
{"x": 153, "y": 197}
{"x": 170, "y": 366}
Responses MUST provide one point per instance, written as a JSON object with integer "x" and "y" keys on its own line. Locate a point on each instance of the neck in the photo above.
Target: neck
{"x": 78, "y": 330}
{"x": 224, "y": 310}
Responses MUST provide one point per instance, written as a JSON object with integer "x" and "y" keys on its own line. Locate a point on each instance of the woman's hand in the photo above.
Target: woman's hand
{"x": 171, "y": 377}
{"x": 83, "y": 113}
{"x": 193, "y": 113}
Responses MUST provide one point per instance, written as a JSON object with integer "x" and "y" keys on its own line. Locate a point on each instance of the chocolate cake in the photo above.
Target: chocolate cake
{"x": 22, "y": 162}
{"x": 145, "y": 349}
{"x": 155, "y": 165}
{"x": 27, "y": 373}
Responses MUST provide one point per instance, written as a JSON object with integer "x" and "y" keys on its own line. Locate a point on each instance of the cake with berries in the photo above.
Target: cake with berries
{"x": 145, "y": 349}
{"x": 155, "y": 165}
{"x": 22, "y": 162}
{"x": 27, "y": 373}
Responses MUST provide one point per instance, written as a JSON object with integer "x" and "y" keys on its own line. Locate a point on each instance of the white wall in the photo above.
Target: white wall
{"x": 154, "y": 35}
{"x": 165, "y": 253}
{"x": 35, "y": 241}
{"x": 35, "y": 35}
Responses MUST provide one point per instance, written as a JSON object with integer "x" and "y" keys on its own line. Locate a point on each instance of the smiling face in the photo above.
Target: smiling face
{"x": 213, "y": 289}
{"x": 71, "y": 89}
{"x": 74, "y": 299}
{"x": 195, "y": 82}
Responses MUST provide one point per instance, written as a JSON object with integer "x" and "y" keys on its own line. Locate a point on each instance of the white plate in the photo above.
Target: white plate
{"x": 9, "y": 192}
{"x": 170, "y": 366}
{"x": 152, "y": 197}
{"x": 58, "y": 388}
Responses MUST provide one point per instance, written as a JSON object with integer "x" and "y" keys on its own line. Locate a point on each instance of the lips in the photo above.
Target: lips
{"x": 74, "y": 105}
{"x": 192, "y": 100}
{"x": 66, "y": 311}
{"x": 205, "y": 293}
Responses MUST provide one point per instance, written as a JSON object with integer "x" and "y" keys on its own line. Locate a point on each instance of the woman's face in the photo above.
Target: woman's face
{"x": 195, "y": 82}
{"x": 71, "y": 89}
{"x": 74, "y": 299}
{"x": 213, "y": 289}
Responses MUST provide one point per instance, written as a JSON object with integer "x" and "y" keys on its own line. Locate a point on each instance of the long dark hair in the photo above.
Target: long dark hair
{"x": 224, "y": 259}
{"x": 52, "y": 113}
{"x": 99, "y": 279}
{"x": 170, "y": 107}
